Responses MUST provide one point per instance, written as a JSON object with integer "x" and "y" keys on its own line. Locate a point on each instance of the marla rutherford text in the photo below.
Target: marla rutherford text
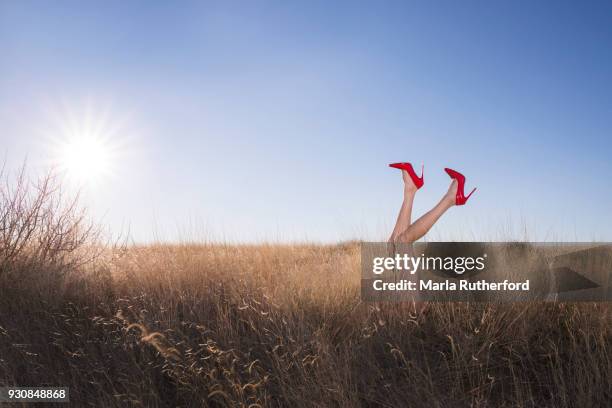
{"x": 463, "y": 284}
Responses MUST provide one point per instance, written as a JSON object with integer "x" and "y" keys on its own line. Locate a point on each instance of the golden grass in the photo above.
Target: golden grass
{"x": 217, "y": 325}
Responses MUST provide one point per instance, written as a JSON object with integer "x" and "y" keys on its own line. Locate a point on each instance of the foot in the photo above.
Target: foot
{"x": 451, "y": 195}
{"x": 409, "y": 186}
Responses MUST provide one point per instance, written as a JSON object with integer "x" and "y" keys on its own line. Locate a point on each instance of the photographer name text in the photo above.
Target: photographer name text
{"x": 461, "y": 285}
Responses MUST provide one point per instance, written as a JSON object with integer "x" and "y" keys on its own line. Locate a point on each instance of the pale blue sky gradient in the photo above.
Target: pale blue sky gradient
{"x": 263, "y": 120}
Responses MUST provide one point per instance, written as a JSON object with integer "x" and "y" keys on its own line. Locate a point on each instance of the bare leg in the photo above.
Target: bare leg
{"x": 405, "y": 213}
{"x": 424, "y": 224}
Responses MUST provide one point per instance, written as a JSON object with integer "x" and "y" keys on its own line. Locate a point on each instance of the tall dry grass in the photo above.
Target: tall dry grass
{"x": 267, "y": 325}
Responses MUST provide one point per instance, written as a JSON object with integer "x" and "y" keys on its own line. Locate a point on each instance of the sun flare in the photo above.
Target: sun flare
{"x": 85, "y": 143}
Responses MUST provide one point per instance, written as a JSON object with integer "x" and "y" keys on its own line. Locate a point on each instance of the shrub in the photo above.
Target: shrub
{"x": 44, "y": 233}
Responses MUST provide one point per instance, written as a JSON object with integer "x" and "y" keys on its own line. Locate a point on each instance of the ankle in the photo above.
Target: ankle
{"x": 409, "y": 191}
{"x": 449, "y": 200}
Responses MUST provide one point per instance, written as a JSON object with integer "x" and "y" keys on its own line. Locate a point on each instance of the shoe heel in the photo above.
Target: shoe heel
{"x": 468, "y": 196}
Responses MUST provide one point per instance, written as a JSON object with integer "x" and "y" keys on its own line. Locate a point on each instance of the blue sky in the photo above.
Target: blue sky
{"x": 249, "y": 121}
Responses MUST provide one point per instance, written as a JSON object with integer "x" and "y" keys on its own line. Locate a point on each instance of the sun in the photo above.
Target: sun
{"x": 85, "y": 157}
{"x": 84, "y": 144}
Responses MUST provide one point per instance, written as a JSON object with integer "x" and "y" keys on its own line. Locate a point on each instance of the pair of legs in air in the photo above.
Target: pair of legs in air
{"x": 407, "y": 232}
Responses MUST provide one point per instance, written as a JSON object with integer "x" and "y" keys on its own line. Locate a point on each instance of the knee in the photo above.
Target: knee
{"x": 405, "y": 238}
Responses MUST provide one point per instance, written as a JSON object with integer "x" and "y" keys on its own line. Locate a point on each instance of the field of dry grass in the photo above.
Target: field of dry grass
{"x": 268, "y": 325}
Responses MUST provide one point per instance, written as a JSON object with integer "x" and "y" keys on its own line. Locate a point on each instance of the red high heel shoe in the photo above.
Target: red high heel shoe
{"x": 418, "y": 181}
{"x": 460, "y": 199}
